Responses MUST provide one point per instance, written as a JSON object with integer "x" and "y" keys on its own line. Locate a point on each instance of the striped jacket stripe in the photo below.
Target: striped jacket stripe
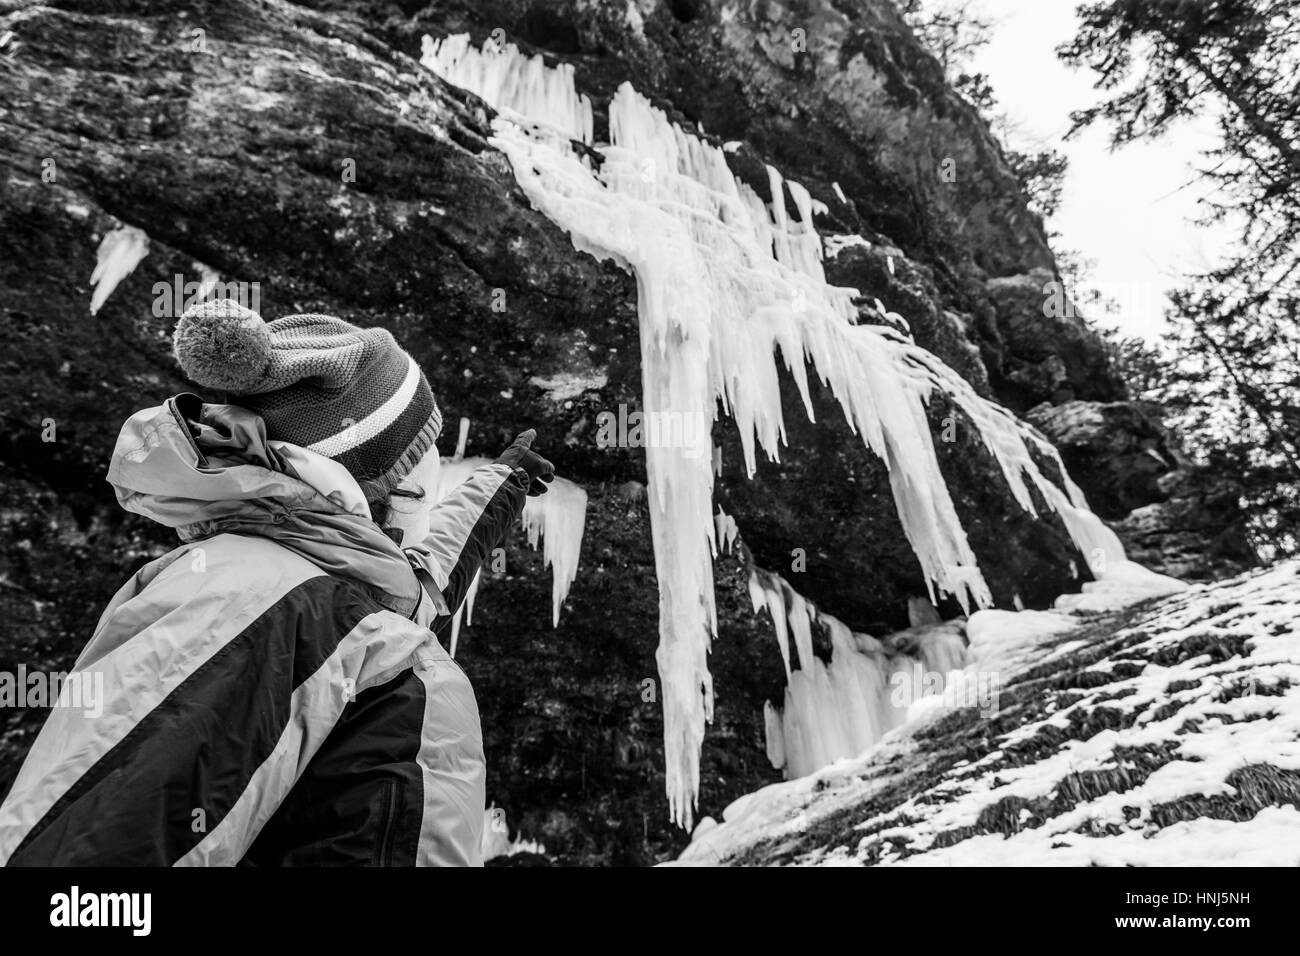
{"x": 464, "y": 528}
{"x": 233, "y": 710}
{"x": 378, "y": 648}
{"x": 452, "y": 766}
{"x": 138, "y": 674}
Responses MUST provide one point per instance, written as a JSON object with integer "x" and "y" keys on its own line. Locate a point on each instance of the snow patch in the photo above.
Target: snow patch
{"x": 567, "y": 385}
{"x": 835, "y": 244}
{"x": 1197, "y": 719}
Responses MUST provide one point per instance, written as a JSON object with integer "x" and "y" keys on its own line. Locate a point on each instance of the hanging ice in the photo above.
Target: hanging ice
{"x": 524, "y": 89}
{"x": 837, "y": 710}
{"x": 724, "y": 282}
{"x": 496, "y": 837}
{"x": 558, "y": 517}
{"x": 120, "y": 251}
{"x": 725, "y": 530}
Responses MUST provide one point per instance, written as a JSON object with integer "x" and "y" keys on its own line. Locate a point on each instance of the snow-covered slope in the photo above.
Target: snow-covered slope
{"x": 1167, "y": 733}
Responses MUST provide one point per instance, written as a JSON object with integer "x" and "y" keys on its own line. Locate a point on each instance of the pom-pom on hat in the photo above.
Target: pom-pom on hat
{"x": 349, "y": 393}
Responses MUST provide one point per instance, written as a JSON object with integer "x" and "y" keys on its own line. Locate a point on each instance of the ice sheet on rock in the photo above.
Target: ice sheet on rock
{"x": 120, "y": 251}
{"x": 524, "y": 88}
{"x": 841, "y": 709}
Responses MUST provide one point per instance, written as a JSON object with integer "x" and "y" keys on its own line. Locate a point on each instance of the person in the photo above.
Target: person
{"x": 274, "y": 692}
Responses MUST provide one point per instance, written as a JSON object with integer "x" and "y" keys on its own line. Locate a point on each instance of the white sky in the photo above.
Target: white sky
{"x": 1127, "y": 210}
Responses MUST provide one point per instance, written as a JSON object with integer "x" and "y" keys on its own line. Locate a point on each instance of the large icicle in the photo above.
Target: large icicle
{"x": 724, "y": 282}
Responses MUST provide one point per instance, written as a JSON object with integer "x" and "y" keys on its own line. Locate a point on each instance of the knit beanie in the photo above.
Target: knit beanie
{"x": 348, "y": 393}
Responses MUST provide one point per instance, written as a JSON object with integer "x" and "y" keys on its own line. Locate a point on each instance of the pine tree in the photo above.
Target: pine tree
{"x": 1236, "y": 342}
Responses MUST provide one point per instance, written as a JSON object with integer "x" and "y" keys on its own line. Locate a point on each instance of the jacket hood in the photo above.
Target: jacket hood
{"x": 207, "y": 469}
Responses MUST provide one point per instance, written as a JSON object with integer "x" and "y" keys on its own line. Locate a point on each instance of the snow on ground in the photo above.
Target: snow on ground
{"x": 1163, "y": 734}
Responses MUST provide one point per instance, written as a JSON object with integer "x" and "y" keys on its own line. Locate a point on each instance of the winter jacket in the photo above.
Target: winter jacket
{"x": 273, "y": 690}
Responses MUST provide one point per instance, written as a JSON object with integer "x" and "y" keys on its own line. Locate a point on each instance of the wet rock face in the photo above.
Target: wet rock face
{"x": 1118, "y": 450}
{"x": 301, "y": 148}
{"x": 1196, "y": 533}
{"x": 1170, "y": 517}
{"x": 1043, "y": 351}
{"x": 842, "y": 98}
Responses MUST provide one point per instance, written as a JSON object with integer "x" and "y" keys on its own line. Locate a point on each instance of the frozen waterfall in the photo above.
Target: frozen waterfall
{"x": 725, "y": 281}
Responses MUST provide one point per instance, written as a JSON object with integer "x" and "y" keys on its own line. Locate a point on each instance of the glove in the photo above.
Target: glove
{"x": 537, "y": 471}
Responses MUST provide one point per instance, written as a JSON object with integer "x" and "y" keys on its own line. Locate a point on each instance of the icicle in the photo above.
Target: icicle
{"x": 801, "y": 618}
{"x": 120, "y": 251}
{"x": 765, "y": 591}
{"x": 837, "y": 710}
{"x": 774, "y": 733}
{"x": 467, "y": 608}
{"x": 841, "y": 709}
{"x": 558, "y": 517}
{"x": 725, "y": 529}
{"x": 462, "y": 439}
{"x": 524, "y": 87}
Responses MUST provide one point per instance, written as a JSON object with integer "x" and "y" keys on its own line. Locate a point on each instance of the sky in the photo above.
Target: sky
{"x": 1131, "y": 210}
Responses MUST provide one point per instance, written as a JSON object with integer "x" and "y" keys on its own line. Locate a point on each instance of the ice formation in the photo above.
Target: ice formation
{"x": 840, "y": 709}
{"x": 558, "y": 518}
{"x": 527, "y": 92}
{"x": 725, "y": 529}
{"x": 496, "y": 837}
{"x": 1174, "y": 729}
{"x": 725, "y": 280}
{"x": 120, "y": 251}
